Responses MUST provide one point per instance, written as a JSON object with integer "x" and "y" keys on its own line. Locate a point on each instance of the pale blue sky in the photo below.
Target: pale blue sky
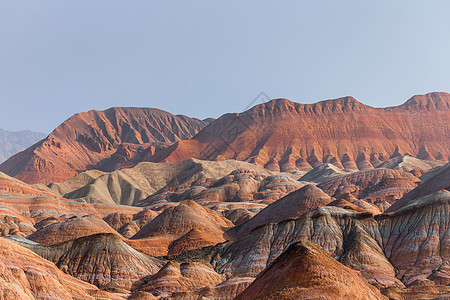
{"x": 207, "y": 58}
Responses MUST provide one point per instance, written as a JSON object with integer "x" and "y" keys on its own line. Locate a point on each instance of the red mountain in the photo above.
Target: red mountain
{"x": 104, "y": 140}
{"x": 278, "y": 135}
{"x": 288, "y": 136}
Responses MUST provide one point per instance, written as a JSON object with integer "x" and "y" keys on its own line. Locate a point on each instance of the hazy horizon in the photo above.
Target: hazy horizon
{"x": 204, "y": 59}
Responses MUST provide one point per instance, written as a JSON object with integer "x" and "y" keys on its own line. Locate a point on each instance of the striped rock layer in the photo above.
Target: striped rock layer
{"x": 107, "y": 140}
{"x": 406, "y": 247}
{"x": 282, "y": 135}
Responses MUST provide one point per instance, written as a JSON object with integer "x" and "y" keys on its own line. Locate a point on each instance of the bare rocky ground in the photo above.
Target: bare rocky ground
{"x": 358, "y": 226}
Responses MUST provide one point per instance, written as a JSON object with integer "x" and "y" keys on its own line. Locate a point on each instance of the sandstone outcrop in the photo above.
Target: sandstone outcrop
{"x": 305, "y": 271}
{"x": 128, "y": 224}
{"x": 416, "y": 241}
{"x": 407, "y": 247}
{"x": 291, "y": 206}
{"x": 176, "y": 278}
{"x": 241, "y": 185}
{"x": 352, "y": 238}
{"x": 184, "y": 227}
{"x": 286, "y": 136}
{"x": 226, "y": 290}
{"x": 25, "y": 208}
{"x": 105, "y": 140}
{"x": 101, "y": 259}
{"x": 322, "y": 173}
{"x": 25, "y": 275}
{"x": 71, "y": 229}
{"x": 439, "y": 179}
{"x": 129, "y": 186}
{"x": 381, "y": 187}
{"x": 407, "y": 163}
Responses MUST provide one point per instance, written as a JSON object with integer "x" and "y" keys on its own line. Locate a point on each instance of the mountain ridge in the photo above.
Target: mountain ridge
{"x": 280, "y": 135}
{"x": 99, "y": 139}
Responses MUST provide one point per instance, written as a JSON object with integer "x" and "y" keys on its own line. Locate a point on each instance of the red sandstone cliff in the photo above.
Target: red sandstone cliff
{"x": 99, "y": 139}
{"x": 288, "y": 136}
{"x": 278, "y": 135}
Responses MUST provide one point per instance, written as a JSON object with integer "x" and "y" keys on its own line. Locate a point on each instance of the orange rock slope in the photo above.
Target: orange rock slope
{"x": 25, "y": 275}
{"x": 305, "y": 271}
{"x": 288, "y": 136}
{"x": 99, "y": 139}
{"x": 184, "y": 227}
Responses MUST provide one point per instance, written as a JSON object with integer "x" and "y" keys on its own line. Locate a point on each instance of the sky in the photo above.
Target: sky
{"x": 207, "y": 58}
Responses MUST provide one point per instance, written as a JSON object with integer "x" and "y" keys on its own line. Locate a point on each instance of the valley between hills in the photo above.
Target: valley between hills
{"x": 331, "y": 200}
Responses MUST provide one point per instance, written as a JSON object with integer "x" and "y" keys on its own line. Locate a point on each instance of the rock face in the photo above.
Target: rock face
{"x": 439, "y": 179}
{"x": 71, "y": 229}
{"x": 99, "y": 139}
{"x": 322, "y": 173}
{"x": 242, "y": 185}
{"x": 381, "y": 187}
{"x": 352, "y": 238}
{"x": 290, "y": 206}
{"x": 406, "y": 247}
{"x": 305, "y": 271}
{"x": 128, "y": 186}
{"x": 407, "y": 163}
{"x": 181, "y": 228}
{"x": 25, "y": 275}
{"x": 175, "y": 278}
{"x": 128, "y": 224}
{"x": 416, "y": 241}
{"x": 226, "y": 290}
{"x": 287, "y": 136}
{"x": 11, "y": 142}
{"x": 25, "y": 209}
{"x": 101, "y": 259}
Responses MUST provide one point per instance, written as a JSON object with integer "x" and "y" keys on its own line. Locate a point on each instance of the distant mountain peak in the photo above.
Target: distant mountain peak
{"x": 11, "y": 142}
{"x": 97, "y": 139}
{"x": 430, "y": 101}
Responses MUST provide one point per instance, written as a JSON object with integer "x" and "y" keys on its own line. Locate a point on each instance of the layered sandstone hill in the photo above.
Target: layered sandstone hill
{"x": 181, "y": 228}
{"x": 288, "y": 136}
{"x": 128, "y": 224}
{"x": 305, "y": 271}
{"x": 25, "y": 275}
{"x": 241, "y": 185}
{"x": 410, "y": 164}
{"x": 290, "y": 206}
{"x": 380, "y": 187}
{"x": 416, "y": 241}
{"x": 175, "y": 278}
{"x": 10, "y": 186}
{"x": 99, "y": 139}
{"x": 322, "y": 172}
{"x": 73, "y": 228}
{"x": 25, "y": 209}
{"x": 130, "y": 185}
{"x": 278, "y": 135}
{"x": 227, "y": 290}
{"x": 438, "y": 179}
{"x": 101, "y": 259}
{"x": 408, "y": 247}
